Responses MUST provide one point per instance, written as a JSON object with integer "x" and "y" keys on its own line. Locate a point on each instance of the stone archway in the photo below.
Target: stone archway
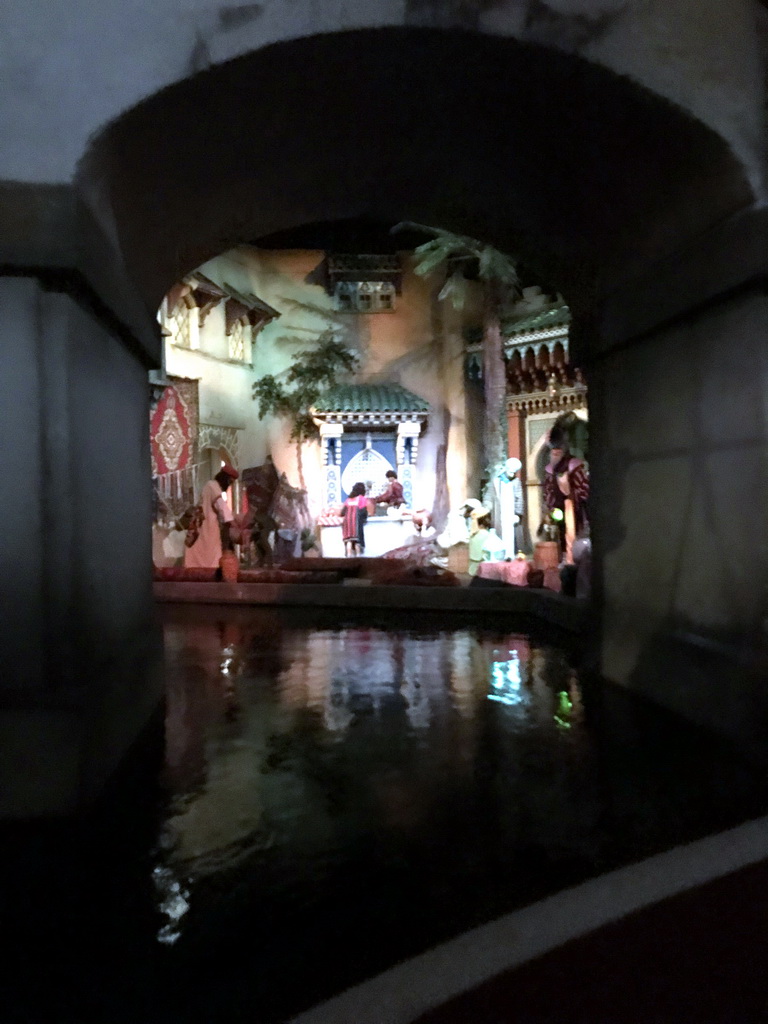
{"x": 624, "y": 203}
{"x": 550, "y": 157}
{"x": 630, "y": 207}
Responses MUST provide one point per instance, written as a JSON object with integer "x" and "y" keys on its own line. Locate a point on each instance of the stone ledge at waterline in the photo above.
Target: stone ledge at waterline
{"x": 567, "y": 613}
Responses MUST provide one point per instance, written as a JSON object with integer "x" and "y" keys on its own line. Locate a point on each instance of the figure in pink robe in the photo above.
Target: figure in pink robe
{"x": 205, "y": 552}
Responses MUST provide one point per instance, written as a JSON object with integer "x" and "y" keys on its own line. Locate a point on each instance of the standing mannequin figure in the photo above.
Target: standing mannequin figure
{"x": 217, "y": 517}
{"x": 355, "y": 515}
{"x": 566, "y": 486}
{"x": 509, "y": 494}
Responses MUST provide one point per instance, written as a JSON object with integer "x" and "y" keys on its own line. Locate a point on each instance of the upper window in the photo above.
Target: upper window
{"x": 364, "y": 296}
{"x": 239, "y": 342}
{"x": 179, "y": 323}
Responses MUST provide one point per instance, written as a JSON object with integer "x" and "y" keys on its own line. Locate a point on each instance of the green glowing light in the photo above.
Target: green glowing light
{"x": 557, "y": 514}
{"x": 564, "y": 709}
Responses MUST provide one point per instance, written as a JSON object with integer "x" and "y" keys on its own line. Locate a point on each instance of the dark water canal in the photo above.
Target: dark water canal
{"x": 336, "y": 796}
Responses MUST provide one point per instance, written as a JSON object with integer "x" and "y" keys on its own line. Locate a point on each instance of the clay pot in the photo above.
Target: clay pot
{"x": 230, "y": 566}
{"x": 546, "y": 555}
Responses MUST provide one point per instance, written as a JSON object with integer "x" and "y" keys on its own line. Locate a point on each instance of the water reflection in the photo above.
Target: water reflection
{"x": 507, "y": 681}
{"x": 347, "y": 673}
{"x": 300, "y": 738}
{"x": 328, "y": 783}
{"x": 173, "y": 903}
{"x": 337, "y": 799}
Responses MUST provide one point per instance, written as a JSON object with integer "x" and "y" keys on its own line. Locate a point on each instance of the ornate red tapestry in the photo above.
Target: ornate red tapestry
{"x": 173, "y": 427}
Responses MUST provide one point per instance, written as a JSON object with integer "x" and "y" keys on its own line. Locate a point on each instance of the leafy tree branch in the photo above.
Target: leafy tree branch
{"x": 294, "y": 393}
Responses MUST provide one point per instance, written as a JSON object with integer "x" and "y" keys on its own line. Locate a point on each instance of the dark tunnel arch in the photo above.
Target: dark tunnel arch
{"x": 539, "y": 152}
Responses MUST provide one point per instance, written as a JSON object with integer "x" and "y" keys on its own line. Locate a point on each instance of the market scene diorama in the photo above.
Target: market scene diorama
{"x": 415, "y": 406}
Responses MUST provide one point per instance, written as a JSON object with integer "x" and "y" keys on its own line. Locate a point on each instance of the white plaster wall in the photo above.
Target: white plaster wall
{"x": 226, "y": 391}
{"x": 68, "y": 67}
{"x": 225, "y": 387}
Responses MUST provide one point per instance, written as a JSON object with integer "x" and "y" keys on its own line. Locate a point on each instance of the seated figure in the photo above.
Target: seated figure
{"x": 479, "y": 535}
{"x": 393, "y": 496}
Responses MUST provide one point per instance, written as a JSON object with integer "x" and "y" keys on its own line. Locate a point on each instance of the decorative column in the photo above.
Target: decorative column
{"x": 407, "y": 450}
{"x": 516, "y": 447}
{"x": 515, "y": 433}
{"x": 330, "y": 440}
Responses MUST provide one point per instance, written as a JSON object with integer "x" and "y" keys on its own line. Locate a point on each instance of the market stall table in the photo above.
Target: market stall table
{"x": 515, "y": 573}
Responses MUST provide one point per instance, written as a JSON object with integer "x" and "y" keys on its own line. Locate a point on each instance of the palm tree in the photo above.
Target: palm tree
{"x": 455, "y": 255}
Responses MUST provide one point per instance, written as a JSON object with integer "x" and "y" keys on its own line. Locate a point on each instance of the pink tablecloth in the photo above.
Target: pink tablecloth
{"x": 516, "y": 573}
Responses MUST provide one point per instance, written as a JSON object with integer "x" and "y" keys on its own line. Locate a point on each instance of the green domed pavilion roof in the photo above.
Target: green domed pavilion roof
{"x": 376, "y": 398}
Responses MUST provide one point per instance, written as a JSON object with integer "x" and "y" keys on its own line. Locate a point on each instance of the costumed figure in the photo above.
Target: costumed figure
{"x": 566, "y": 488}
{"x": 259, "y": 524}
{"x": 290, "y": 511}
{"x": 479, "y": 533}
{"x": 456, "y": 530}
{"x": 511, "y": 505}
{"x": 355, "y": 515}
{"x": 209, "y": 533}
{"x": 471, "y": 508}
{"x": 393, "y": 497}
{"x": 258, "y": 527}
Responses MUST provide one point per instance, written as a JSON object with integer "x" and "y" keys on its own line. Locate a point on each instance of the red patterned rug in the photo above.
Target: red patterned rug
{"x": 173, "y": 427}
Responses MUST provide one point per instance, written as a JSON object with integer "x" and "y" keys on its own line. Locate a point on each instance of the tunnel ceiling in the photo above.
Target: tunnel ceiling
{"x": 544, "y": 155}
{"x": 350, "y": 235}
{"x": 368, "y": 235}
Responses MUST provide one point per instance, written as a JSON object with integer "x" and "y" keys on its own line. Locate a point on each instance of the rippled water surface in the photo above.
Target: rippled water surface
{"x": 337, "y": 796}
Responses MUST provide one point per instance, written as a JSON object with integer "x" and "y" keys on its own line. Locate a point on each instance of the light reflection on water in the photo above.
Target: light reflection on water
{"x": 335, "y": 800}
{"x": 340, "y": 798}
{"x": 305, "y": 742}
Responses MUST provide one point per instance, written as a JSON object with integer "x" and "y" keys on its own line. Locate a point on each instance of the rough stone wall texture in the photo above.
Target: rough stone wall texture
{"x": 535, "y": 150}
{"x": 99, "y": 60}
